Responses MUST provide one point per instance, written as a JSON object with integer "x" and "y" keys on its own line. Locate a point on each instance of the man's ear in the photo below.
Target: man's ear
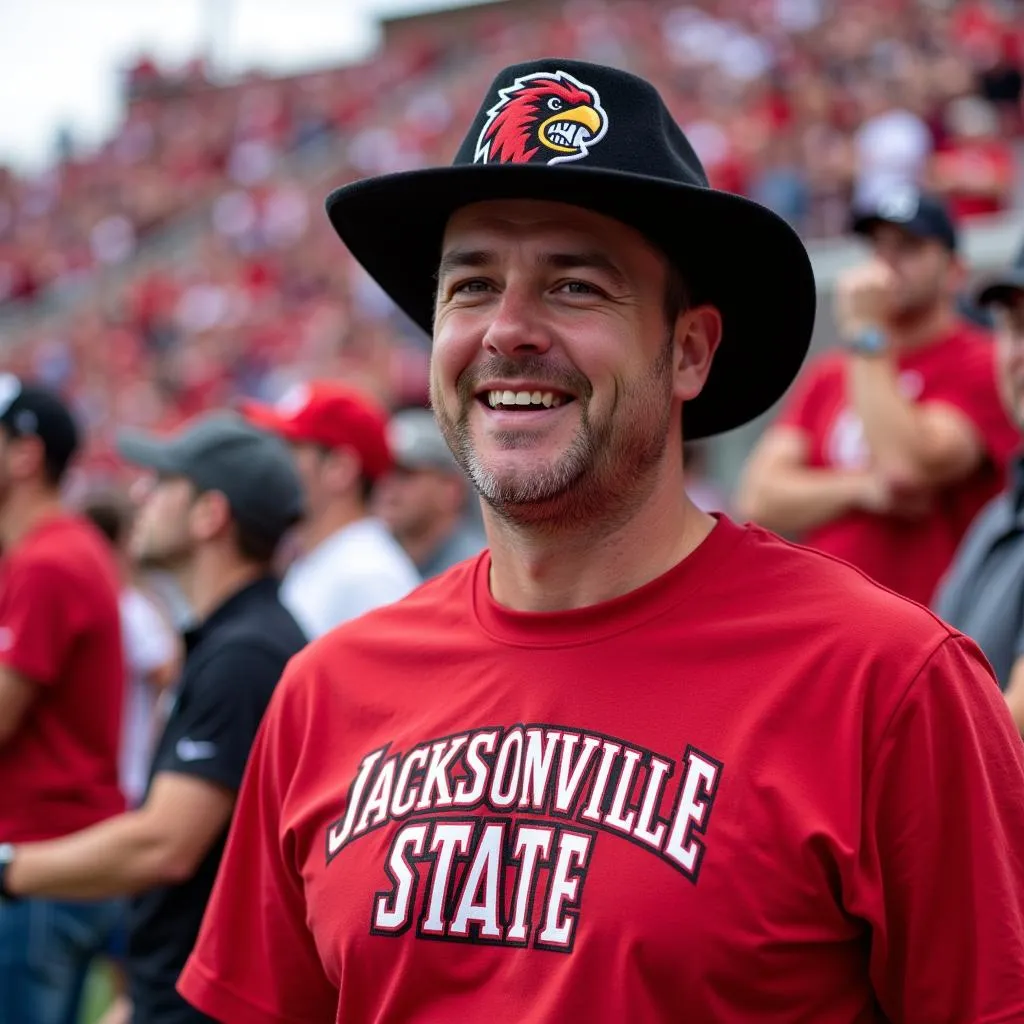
{"x": 695, "y": 339}
{"x": 209, "y": 515}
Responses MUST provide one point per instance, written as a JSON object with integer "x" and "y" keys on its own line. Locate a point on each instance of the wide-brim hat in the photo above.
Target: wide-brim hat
{"x": 603, "y": 139}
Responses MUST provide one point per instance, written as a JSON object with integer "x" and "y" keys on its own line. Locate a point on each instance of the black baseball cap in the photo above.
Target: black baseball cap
{"x": 918, "y": 213}
{"x": 1001, "y": 288}
{"x": 30, "y": 410}
{"x": 222, "y": 452}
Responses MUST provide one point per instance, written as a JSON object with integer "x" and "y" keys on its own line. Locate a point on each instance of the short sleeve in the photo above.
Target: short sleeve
{"x": 971, "y": 388}
{"x": 36, "y": 620}
{"x": 211, "y": 733}
{"x": 275, "y": 976}
{"x": 940, "y": 875}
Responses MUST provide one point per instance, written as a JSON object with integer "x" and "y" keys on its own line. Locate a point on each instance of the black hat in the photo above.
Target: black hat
{"x": 222, "y": 452}
{"x": 603, "y": 139}
{"x": 916, "y": 212}
{"x": 1002, "y": 287}
{"x": 29, "y": 410}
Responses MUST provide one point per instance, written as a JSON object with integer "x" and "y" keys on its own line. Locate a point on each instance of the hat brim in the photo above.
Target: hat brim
{"x": 733, "y": 253}
{"x": 1000, "y": 290}
{"x": 146, "y": 450}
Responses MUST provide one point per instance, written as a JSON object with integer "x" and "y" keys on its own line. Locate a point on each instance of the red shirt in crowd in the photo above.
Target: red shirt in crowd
{"x": 908, "y": 555}
{"x": 989, "y": 160}
{"x": 60, "y": 628}
{"x": 760, "y": 787}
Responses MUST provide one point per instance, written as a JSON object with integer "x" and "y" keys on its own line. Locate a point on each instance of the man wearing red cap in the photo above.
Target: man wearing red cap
{"x": 349, "y": 562}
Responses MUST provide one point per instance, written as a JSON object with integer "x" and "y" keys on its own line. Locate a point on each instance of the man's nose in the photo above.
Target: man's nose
{"x": 519, "y": 325}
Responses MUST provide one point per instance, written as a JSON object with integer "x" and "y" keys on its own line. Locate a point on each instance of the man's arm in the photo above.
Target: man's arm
{"x": 926, "y": 445}
{"x": 781, "y": 492}
{"x": 912, "y": 445}
{"x": 163, "y": 842}
{"x": 1015, "y": 693}
{"x": 16, "y": 695}
{"x": 938, "y": 872}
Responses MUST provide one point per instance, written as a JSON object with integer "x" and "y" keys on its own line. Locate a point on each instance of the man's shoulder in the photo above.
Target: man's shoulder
{"x": 364, "y": 549}
{"x": 835, "y": 602}
{"x": 68, "y": 556}
{"x": 261, "y": 644}
{"x": 440, "y": 603}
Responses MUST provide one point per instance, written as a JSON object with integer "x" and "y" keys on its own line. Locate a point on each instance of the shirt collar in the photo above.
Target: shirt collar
{"x": 252, "y": 593}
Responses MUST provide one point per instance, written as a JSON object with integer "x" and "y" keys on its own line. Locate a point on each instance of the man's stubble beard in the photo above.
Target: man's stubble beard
{"x": 605, "y": 475}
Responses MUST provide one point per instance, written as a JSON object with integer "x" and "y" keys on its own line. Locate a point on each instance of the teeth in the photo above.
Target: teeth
{"x": 545, "y": 399}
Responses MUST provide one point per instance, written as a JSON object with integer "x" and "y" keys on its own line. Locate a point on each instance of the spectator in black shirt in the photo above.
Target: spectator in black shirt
{"x": 224, "y": 495}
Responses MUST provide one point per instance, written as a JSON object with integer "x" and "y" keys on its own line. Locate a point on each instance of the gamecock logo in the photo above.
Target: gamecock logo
{"x": 543, "y": 118}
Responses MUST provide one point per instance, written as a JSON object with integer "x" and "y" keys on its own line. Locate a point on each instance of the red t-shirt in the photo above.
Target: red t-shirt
{"x": 760, "y": 787}
{"x": 906, "y": 555}
{"x": 60, "y": 627}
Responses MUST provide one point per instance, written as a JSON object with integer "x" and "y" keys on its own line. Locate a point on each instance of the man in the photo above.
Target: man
{"x": 983, "y": 593}
{"x": 423, "y": 499}
{"x": 61, "y": 685}
{"x": 151, "y": 647}
{"x": 224, "y": 495}
{"x": 889, "y": 447}
{"x": 348, "y": 562}
{"x": 634, "y": 760}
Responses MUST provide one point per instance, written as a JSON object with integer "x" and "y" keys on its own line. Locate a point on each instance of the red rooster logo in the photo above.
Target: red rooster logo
{"x": 547, "y": 117}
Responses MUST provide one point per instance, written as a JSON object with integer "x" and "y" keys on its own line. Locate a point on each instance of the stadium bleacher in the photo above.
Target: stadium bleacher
{"x": 188, "y": 261}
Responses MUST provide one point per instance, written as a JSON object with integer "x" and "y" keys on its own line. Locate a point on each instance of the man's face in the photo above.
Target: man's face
{"x": 310, "y": 462}
{"x": 1010, "y": 355}
{"x": 924, "y": 271}
{"x": 551, "y": 373}
{"x": 161, "y": 537}
{"x": 412, "y": 500}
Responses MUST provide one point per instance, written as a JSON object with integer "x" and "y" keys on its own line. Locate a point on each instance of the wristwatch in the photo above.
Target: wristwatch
{"x": 6, "y": 856}
{"x": 869, "y": 342}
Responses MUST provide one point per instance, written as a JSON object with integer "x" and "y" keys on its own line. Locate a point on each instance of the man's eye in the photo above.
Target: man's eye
{"x": 475, "y": 285}
{"x": 579, "y": 288}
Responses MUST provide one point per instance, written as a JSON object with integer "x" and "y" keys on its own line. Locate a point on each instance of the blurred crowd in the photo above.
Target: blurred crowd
{"x": 194, "y": 266}
{"x": 187, "y": 269}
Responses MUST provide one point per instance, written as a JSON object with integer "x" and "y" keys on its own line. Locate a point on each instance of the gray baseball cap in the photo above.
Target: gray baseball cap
{"x": 222, "y": 452}
{"x": 416, "y": 441}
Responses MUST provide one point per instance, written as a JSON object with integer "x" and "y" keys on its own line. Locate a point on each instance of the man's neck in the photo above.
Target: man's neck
{"x": 211, "y": 578}
{"x": 314, "y": 532}
{"x": 421, "y": 546}
{"x": 23, "y": 511}
{"x": 923, "y": 330}
{"x": 541, "y": 571}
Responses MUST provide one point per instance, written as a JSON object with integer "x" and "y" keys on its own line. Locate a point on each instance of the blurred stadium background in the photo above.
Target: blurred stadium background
{"x": 185, "y": 262}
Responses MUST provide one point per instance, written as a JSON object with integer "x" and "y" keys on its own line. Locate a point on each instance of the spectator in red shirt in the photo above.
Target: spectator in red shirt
{"x": 61, "y": 681}
{"x": 888, "y": 448}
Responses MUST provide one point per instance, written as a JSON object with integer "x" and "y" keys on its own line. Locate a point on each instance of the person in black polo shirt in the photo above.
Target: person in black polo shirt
{"x": 983, "y": 593}
{"x": 224, "y": 495}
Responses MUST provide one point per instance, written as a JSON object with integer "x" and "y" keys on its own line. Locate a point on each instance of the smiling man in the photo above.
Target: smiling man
{"x": 634, "y": 760}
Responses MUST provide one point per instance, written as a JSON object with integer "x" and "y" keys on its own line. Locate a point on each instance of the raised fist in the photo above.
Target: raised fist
{"x": 864, "y": 298}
